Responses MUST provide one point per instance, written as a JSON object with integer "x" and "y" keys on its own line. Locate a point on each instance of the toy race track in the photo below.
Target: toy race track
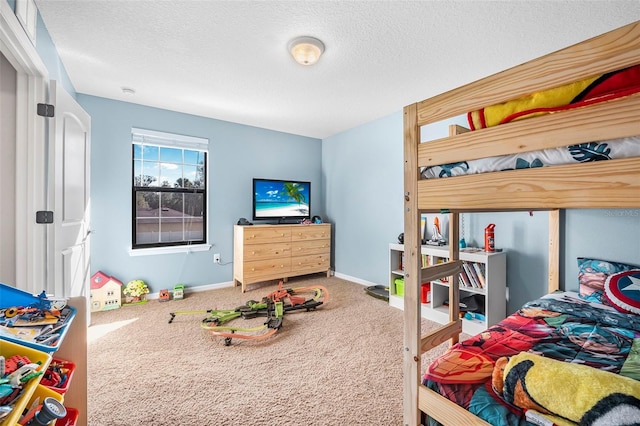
{"x": 273, "y": 307}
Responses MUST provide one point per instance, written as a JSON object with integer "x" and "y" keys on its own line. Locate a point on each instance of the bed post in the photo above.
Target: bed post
{"x": 412, "y": 265}
{"x": 454, "y": 255}
{"x": 554, "y": 250}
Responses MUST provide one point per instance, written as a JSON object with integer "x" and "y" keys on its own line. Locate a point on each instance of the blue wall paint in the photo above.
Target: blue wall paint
{"x": 237, "y": 153}
{"x": 47, "y": 51}
{"x": 362, "y": 168}
{"x": 609, "y": 234}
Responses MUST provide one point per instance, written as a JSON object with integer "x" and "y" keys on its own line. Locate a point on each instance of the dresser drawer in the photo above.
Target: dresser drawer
{"x": 266, "y": 269}
{"x": 311, "y": 263}
{"x": 303, "y": 248}
{"x": 311, "y": 232}
{"x": 266, "y": 234}
{"x": 266, "y": 251}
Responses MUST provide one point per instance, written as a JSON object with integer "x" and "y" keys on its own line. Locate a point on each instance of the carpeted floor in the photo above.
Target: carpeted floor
{"x": 338, "y": 365}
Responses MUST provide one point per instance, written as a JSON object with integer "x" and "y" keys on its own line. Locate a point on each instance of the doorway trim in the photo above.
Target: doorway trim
{"x": 31, "y": 152}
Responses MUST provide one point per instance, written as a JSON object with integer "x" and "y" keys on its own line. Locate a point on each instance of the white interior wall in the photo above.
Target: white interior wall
{"x": 8, "y": 79}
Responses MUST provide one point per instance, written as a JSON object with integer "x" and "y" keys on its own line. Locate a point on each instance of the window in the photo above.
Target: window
{"x": 169, "y": 189}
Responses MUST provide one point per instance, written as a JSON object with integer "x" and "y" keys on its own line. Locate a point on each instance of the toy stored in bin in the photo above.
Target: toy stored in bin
{"x": 58, "y": 376}
{"x": 55, "y": 408}
{"x": 10, "y": 298}
{"x": 9, "y": 349}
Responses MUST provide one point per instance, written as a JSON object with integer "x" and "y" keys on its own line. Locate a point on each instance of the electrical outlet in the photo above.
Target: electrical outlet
{"x": 216, "y": 258}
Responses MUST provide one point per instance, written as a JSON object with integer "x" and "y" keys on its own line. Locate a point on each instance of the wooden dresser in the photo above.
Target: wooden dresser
{"x": 271, "y": 252}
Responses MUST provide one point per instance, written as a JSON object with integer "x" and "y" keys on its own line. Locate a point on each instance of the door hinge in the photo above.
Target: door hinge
{"x": 44, "y": 216}
{"x": 45, "y": 110}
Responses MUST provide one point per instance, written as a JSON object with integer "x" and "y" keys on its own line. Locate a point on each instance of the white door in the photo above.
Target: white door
{"x": 70, "y": 147}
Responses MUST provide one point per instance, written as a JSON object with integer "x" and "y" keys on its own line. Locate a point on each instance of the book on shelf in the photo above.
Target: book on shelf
{"x": 467, "y": 271}
{"x": 472, "y": 274}
{"x": 479, "y": 273}
{"x": 464, "y": 280}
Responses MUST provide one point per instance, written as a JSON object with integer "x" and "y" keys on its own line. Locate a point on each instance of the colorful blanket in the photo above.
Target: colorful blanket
{"x": 592, "y": 90}
{"x": 558, "y": 326}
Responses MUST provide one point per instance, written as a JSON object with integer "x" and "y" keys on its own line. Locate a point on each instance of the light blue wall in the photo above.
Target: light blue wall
{"x": 611, "y": 234}
{"x": 362, "y": 169}
{"x": 237, "y": 153}
{"x": 47, "y": 51}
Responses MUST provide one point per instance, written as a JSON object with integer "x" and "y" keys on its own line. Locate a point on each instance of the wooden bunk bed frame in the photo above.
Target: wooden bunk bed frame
{"x": 604, "y": 184}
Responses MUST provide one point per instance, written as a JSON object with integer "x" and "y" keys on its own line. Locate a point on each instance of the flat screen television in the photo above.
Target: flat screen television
{"x": 288, "y": 201}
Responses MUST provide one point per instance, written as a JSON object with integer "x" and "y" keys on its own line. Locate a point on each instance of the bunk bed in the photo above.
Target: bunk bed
{"x": 611, "y": 184}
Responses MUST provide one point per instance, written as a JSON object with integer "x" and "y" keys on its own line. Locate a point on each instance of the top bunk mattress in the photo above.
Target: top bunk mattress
{"x": 579, "y": 153}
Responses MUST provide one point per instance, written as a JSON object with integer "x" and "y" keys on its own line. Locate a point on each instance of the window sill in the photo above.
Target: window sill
{"x": 169, "y": 250}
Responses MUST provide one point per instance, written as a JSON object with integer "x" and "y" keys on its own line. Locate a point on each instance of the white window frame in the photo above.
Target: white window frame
{"x": 171, "y": 140}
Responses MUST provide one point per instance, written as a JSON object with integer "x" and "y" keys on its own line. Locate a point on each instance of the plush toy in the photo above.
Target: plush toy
{"x": 564, "y": 391}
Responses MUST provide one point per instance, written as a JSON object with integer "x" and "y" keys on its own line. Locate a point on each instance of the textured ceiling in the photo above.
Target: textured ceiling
{"x": 228, "y": 59}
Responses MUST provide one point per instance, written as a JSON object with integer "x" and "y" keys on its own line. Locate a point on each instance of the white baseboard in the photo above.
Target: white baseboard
{"x": 208, "y": 287}
{"x": 196, "y": 289}
{"x": 354, "y": 279}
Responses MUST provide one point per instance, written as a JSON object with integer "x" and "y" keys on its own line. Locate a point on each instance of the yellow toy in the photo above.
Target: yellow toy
{"x": 566, "y": 393}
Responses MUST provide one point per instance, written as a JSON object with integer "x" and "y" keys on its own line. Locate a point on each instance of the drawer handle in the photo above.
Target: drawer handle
{"x": 253, "y": 252}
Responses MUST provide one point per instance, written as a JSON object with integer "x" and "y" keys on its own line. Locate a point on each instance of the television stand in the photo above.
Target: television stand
{"x": 288, "y": 221}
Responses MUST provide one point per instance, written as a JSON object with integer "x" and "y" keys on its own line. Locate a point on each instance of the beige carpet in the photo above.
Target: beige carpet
{"x": 338, "y": 365}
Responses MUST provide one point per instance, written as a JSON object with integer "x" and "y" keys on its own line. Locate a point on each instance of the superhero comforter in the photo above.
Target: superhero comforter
{"x": 560, "y": 326}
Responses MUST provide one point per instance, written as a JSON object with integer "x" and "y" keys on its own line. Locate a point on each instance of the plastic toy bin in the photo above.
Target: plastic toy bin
{"x": 70, "y": 419}
{"x": 40, "y": 394}
{"x": 11, "y": 296}
{"x": 399, "y": 284}
{"x": 9, "y": 349}
{"x": 68, "y": 367}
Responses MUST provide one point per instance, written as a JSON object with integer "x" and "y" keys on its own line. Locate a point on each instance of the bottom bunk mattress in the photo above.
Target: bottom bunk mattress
{"x": 558, "y": 327}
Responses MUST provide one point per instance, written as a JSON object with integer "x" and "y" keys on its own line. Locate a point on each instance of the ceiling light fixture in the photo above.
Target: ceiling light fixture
{"x": 306, "y": 50}
{"x": 128, "y": 91}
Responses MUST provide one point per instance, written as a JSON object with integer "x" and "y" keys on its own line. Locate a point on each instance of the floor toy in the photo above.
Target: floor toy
{"x": 178, "y": 292}
{"x": 163, "y": 295}
{"x": 273, "y": 307}
{"x": 106, "y": 292}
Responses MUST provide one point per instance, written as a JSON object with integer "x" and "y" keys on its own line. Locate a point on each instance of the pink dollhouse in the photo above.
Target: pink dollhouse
{"x": 106, "y": 292}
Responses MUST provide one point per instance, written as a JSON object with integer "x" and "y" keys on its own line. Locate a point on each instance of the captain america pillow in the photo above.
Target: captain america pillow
{"x": 622, "y": 290}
